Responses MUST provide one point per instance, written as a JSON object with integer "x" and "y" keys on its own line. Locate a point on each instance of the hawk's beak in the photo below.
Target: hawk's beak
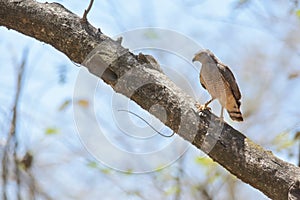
{"x": 194, "y": 59}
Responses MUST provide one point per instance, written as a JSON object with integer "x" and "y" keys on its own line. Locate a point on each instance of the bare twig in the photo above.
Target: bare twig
{"x": 84, "y": 17}
{"x": 205, "y": 193}
{"x": 178, "y": 178}
{"x": 12, "y": 140}
{"x": 4, "y": 173}
{"x": 14, "y": 122}
{"x": 35, "y": 189}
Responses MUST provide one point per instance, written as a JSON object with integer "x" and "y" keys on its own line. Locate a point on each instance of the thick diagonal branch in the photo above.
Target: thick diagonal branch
{"x": 53, "y": 24}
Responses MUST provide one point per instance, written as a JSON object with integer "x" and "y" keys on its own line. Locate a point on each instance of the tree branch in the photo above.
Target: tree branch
{"x": 53, "y": 24}
{"x": 84, "y": 17}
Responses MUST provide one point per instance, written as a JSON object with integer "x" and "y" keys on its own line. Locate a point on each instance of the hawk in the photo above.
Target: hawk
{"x": 220, "y": 83}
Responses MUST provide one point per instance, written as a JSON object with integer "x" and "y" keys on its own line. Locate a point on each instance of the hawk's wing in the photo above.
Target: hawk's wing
{"x": 202, "y": 82}
{"x": 229, "y": 78}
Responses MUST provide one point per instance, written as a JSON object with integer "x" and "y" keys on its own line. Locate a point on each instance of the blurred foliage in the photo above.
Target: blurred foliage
{"x": 258, "y": 39}
{"x": 62, "y": 74}
{"x": 282, "y": 141}
{"x": 65, "y": 105}
{"x": 293, "y": 75}
{"x": 298, "y": 13}
{"x": 83, "y": 103}
{"x": 27, "y": 161}
{"x": 51, "y": 131}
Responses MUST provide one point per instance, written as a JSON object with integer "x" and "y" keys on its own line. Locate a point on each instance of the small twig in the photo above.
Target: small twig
{"x": 205, "y": 193}
{"x": 14, "y": 122}
{"x": 35, "y": 189}
{"x": 4, "y": 173}
{"x": 147, "y": 123}
{"x": 178, "y": 179}
{"x": 84, "y": 17}
{"x": 12, "y": 140}
{"x": 119, "y": 40}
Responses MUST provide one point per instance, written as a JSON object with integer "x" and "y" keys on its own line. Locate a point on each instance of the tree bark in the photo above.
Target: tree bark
{"x": 55, "y": 25}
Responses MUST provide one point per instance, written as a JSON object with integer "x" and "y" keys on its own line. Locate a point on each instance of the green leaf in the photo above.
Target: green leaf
{"x": 129, "y": 171}
{"x": 172, "y": 190}
{"x": 298, "y": 13}
{"x": 95, "y": 165}
{"x": 160, "y": 168}
{"x": 282, "y": 141}
{"x": 92, "y": 164}
{"x": 64, "y": 105}
{"x": 205, "y": 161}
{"x": 51, "y": 131}
{"x": 105, "y": 171}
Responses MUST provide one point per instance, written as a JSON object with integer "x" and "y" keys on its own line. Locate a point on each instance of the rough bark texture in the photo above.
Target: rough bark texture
{"x": 53, "y": 24}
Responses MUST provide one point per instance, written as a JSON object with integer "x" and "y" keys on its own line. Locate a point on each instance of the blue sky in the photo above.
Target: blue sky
{"x": 258, "y": 42}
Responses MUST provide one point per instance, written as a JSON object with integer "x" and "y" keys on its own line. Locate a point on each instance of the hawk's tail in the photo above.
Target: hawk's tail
{"x": 236, "y": 115}
{"x": 233, "y": 109}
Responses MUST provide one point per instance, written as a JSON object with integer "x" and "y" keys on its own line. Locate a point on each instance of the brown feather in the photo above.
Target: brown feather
{"x": 220, "y": 85}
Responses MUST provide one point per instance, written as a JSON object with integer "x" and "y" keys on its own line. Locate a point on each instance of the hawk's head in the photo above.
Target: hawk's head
{"x": 203, "y": 55}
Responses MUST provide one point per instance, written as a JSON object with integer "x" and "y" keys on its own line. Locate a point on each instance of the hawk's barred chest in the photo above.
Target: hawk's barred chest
{"x": 212, "y": 80}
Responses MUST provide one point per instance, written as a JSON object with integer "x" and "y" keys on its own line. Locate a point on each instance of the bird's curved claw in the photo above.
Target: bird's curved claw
{"x": 202, "y": 107}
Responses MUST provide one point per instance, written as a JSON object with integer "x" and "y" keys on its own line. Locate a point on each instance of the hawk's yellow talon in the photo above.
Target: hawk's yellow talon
{"x": 202, "y": 107}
